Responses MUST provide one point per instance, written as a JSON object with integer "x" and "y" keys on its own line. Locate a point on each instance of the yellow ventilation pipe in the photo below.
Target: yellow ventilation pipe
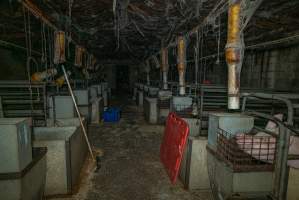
{"x": 59, "y": 46}
{"x": 37, "y": 12}
{"x": 165, "y": 67}
{"x": 41, "y": 76}
{"x": 234, "y": 53}
{"x": 181, "y": 48}
{"x": 79, "y": 56}
{"x": 60, "y": 80}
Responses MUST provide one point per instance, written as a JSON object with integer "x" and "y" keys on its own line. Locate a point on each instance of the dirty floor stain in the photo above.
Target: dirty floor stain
{"x": 130, "y": 167}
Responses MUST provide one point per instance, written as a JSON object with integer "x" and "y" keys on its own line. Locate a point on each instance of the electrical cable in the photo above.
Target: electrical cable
{"x": 201, "y": 54}
{"x": 218, "y": 42}
{"x": 29, "y": 59}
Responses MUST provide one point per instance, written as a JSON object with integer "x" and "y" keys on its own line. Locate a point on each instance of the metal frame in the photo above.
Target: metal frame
{"x": 285, "y": 130}
{"x": 27, "y": 95}
{"x": 290, "y": 101}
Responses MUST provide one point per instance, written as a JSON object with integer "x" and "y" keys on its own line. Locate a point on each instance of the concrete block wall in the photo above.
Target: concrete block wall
{"x": 217, "y": 73}
{"x": 289, "y": 69}
{"x": 273, "y": 68}
{"x": 277, "y": 69}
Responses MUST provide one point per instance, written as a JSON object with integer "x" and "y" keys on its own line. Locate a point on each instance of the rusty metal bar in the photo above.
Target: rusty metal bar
{"x": 165, "y": 67}
{"x": 181, "y": 48}
{"x": 38, "y": 13}
{"x": 234, "y": 53}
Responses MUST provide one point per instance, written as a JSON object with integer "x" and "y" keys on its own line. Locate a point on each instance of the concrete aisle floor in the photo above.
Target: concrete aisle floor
{"x": 131, "y": 169}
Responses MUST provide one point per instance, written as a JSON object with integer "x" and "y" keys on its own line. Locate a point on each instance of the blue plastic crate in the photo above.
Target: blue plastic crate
{"x": 111, "y": 115}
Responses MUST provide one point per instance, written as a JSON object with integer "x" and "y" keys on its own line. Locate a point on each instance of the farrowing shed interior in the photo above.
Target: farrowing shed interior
{"x": 149, "y": 99}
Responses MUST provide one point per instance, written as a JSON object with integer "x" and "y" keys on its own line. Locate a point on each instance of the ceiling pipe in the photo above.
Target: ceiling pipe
{"x": 165, "y": 67}
{"x": 181, "y": 48}
{"x": 234, "y": 52}
{"x": 218, "y": 9}
{"x": 38, "y": 13}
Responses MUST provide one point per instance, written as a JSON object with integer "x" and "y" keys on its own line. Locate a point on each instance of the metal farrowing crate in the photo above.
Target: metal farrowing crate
{"x": 245, "y": 152}
{"x": 164, "y": 103}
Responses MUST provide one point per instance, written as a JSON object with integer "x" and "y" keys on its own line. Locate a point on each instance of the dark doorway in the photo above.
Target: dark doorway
{"x": 122, "y": 80}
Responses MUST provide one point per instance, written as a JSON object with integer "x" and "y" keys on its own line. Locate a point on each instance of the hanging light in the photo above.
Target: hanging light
{"x": 59, "y": 46}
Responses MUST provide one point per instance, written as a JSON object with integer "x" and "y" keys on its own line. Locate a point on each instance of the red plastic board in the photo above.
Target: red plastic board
{"x": 173, "y": 144}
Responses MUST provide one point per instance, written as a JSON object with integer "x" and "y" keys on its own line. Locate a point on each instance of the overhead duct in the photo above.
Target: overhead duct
{"x": 234, "y": 53}
{"x": 79, "y": 55}
{"x": 59, "y": 53}
{"x": 181, "y": 48}
{"x": 165, "y": 66}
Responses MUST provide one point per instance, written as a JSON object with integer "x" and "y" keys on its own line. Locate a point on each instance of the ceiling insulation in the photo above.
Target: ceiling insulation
{"x": 134, "y": 30}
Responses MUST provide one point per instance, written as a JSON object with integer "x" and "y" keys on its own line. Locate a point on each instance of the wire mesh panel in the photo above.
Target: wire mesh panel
{"x": 245, "y": 152}
{"x": 183, "y": 106}
{"x": 164, "y": 103}
{"x": 20, "y": 99}
{"x": 184, "y": 111}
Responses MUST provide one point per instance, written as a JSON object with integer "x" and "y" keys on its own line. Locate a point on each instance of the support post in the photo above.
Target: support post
{"x": 281, "y": 175}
